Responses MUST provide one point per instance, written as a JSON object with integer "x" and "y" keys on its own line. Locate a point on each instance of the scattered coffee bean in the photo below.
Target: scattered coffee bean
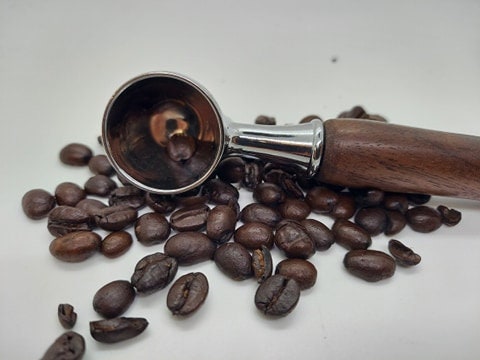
{"x": 294, "y": 209}
{"x": 91, "y": 206}
{"x": 154, "y": 272}
{"x": 260, "y": 213}
{"x": 190, "y": 247}
{"x": 262, "y": 264}
{"x": 152, "y": 228}
{"x": 114, "y": 298}
{"x": 116, "y": 244}
{"x": 68, "y": 193}
{"x": 368, "y": 197}
{"x": 220, "y": 192}
{"x": 68, "y": 346}
{"x": 292, "y": 238}
{"x": 450, "y": 217}
{"x": 345, "y": 206}
{"x": 75, "y": 154}
{"x": 402, "y": 254}
{"x": 369, "y": 265}
{"x": 192, "y": 218}
{"x": 221, "y": 222}
{"x": 162, "y": 204}
{"x": 321, "y": 199}
{"x": 190, "y": 198}
{"x": 277, "y": 295}
{"x": 128, "y": 195}
{"x": 75, "y": 246}
{"x": 37, "y": 203}
{"x": 265, "y": 120}
{"x": 253, "y": 175}
{"x": 187, "y": 293}
{"x": 117, "y": 329}
{"x": 300, "y": 270}
{"x": 396, "y": 202}
{"x": 115, "y": 218}
{"x": 356, "y": 112}
{"x": 99, "y": 185}
{"x": 66, "y": 219}
{"x": 254, "y": 235}
{"x": 309, "y": 118}
{"x": 350, "y": 235}
{"x": 268, "y": 194}
{"x": 66, "y": 315}
{"x": 99, "y": 165}
{"x": 231, "y": 169}
{"x": 396, "y": 221}
{"x": 321, "y": 235}
{"x": 423, "y": 219}
{"x": 234, "y": 260}
{"x": 372, "y": 219}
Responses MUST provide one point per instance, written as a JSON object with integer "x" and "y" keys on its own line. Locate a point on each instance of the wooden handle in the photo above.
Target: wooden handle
{"x": 366, "y": 154}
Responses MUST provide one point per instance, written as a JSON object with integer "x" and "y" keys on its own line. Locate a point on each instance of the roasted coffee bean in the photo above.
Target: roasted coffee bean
{"x": 65, "y": 219}
{"x": 192, "y": 218}
{"x": 114, "y": 298}
{"x": 321, "y": 235}
{"x": 368, "y": 197}
{"x": 221, "y": 221}
{"x": 350, "y": 235}
{"x": 91, "y": 206}
{"x": 423, "y": 219}
{"x": 37, "y": 203}
{"x": 356, "y": 112}
{"x": 127, "y": 195}
{"x": 99, "y": 165}
{"x": 118, "y": 329}
{"x": 187, "y": 293}
{"x": 269, "y": 194}
{"x": 309, "y": 118}
{"x": 75, "y": 246}
{"x": 294, "y": 209}
{"x": 450, "y": 217}
{"x": 231, "y": 169}
{"x": 154, "y": 272}
{"x": 418, "y": 199}
{"x": 402, "y": 254}
{"x": 181, "y": 147}
{"x": 68, "y": 193}
{"x": 234, "y": 260}
{"x": 116, "y": 244}
{"x": 99, "y": 185}
{"x": 220, "y": 192}
{"x": 191, "y": 198}
{"x": 253, "y": 175}
{"x": 75, "y": 154}
{"x": 152, "y": 228}
{"x": 396, "y": 221}
{"x": 345, "y": 207}
{"x": 254, "y": 235}
{"x": 66, "y": 315}
{"x": 260, "y": 213}
{"x": 190, "y": 247}
{"x": 321, "y": 199}
{"x": 262, "y": 264}
{"x": 292, "y": 238}
{"x": 277, "y": 295}
{"x": 373, "y": 220}
{"x": 163, "y": 204}
{"x": 68, "y": 346}
{"x": 300, "y": 270}
{"x": 265, "y": 120}
{"x": 115, "y": 218}
{"x": 370, "y": 265}
{"x": 396, "y": 202}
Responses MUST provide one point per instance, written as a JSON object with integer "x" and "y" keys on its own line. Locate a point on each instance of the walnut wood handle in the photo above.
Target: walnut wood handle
{"x": 366, "y": 153}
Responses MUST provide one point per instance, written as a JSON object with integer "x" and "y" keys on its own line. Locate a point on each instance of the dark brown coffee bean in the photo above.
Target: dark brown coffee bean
{"x": 234, "y": 260}
{"x": 154, "y": 272}
{"x": 309, "y": 118}
{"x": 265, "y": 120}
{"x": 190, "y": 247}
{"x": 68, "y": 193}
{"x": 187, "y": 293}
{"x": 115, "y": 218}
{"x": 260, "y": 213}
{"x": 368, "y": 197}
{"x": 99, "y": 185}
{"x": 269, "y": 194}
{"x": 300, "y": 270}
{"x": 116, "y": 244}
{"x": 418, "y": 199}
{"x": 373, "y": 220}
{"x": 277, "y": 295}
{"x": 192, "y": 218}
{"x": 262, "y": 264}
{"x": 345, "y": 207}
{"x": 114, "y": 298}
{"x": 194, "y": 197}
{"x": 68, "y": 346}
{"x": 294, "y": 209}
{"x": 356, "y": 112}
{"x": 75, "y": 246}
{"x": 450, "y": 217}
{"x": 152, "y": 228}
{"x": 321, "y": 199}
{"x": 127, "y": 195}
{"x": 231, "y": 169}
{"x": 221, "y": 221}
{"x": 37, "y": 203}
{"x": 66, "y": 315}
{"x": 99, "y": 165}
{"x": 292, "y": 238}
{"x": 350, "y": 235}
{"x": 91, "y": 206}
{"x": 253, "y": 175}
{"x": 402, "y": 254}
{"x": 75, "y": 154}
{"x": 321, "y": 235}
{"x": 396, "y": 222}
{"x": 369, "y": 265}
{"x": 395, "y": 202}
{"x": 65, "y": 219}
{"x": 163, "y": 204}
{"x": 254, "y": 235}
{"x": 181, "y": 147}
{"x": 220, "y": 192}
{"x": 423, "y": 219}
{"x": 118, "y": 329}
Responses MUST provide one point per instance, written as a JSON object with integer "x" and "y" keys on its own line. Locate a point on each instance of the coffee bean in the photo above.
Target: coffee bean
{"x": 254, "y": 235}
{"x": 75, "y": 246}
{"x": 115, "y": 218}
{"x": 418, "y": 199}
{"x": 300, "y": 270}
{"x": 99, "y": 185}
{"x": 262, "y": 264}
{"x": 221, "y": 221}
{"x": 234, "y": 260}
{"x": 423, "y": 219}
{"x": 260, "y": 213}
{"x": 402, "y": 254}
{"x": 269, "y": 194}
{"x": 309, "y": 118}
{"x": 396, "y": 221}
{"x": 68, "y": 346}
{"x": 65, "y": 219}
{"x": 194, "y": 197}
{"x": 253, "y": 175}
{"x": 187, "y": 293}
{"x": 373, "y": 220}
{"x": 152, "y": 228}
{"x": 118, "y": 329}
{"x": 450, "y": 217}
{"x": 154, "y": 272}
{"x": 99, "y": 165}
{"x": 396, "y": 202}
{"x": 192, "y": 218}
{"x": 277, "y": 295}
{"x": 181, "y": 147}
{"x": 231, "y": 169}
{"x": 66, "y": 315}
{"x": 220, "y": 192}
{"x": 292, "y": 238}
{"x": 345, "y": 206}
{"x": 127, "y": 195}
{"x": 321, "y": 199}
{"x": 265, "y": 120}
{"x": 294, "y": 209}
{"x": 190, "y": 247}
{"x": 75, "y": 154}
{"x": 68, "y": 193}
{"x": 91, "y": 206}
{"x": 369, "y": 265}
{"x": 321, "y": 235}
{"x": 350, "y": 235}
{"x": 116, "y": 244}
{"x": 368, "y": 197}
{"x": 162, "y": 204}
{"x": 37, "y": 203}
{"x": 114, "y": 298}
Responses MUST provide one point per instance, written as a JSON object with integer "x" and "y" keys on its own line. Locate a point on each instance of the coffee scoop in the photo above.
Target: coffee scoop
{"x": 164, "y": 133}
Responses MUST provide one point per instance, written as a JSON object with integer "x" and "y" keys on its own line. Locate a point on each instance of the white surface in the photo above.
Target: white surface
{"x": 416, "y": 62}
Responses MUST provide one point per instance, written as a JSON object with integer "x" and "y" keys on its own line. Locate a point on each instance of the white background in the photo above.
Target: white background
{"x": 416, "y": 62}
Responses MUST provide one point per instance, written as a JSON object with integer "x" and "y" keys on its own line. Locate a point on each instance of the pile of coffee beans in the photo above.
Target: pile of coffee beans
{"x": 208, "y": 224}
